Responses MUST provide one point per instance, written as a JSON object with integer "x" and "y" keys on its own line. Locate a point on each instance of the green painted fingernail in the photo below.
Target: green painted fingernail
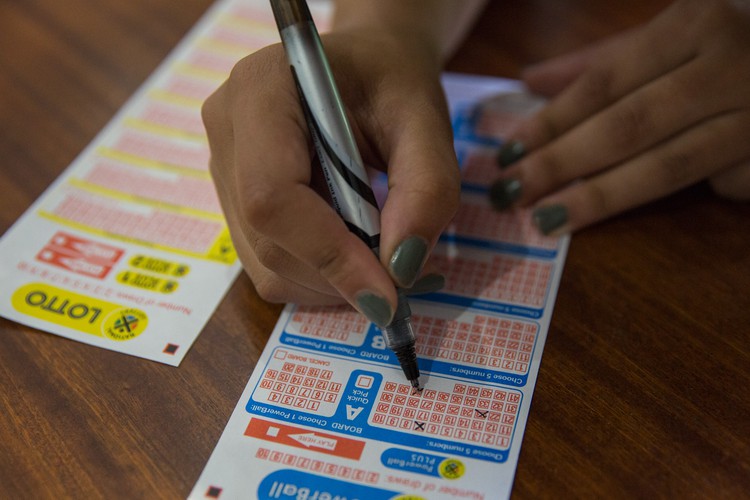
{"x": 504, "y": 192}
{"x": 511, "y": 152}
{"x": 375, "y": 308}
{"x": 428, "y": 283}
{"x": 406, "y": 262}
{"x": 549, "y": 218}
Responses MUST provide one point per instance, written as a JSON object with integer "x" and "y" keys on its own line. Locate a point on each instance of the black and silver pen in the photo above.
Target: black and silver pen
{"x": 338, "y": 155}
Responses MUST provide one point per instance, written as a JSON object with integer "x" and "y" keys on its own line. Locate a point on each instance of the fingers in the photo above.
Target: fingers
{"x": 424, "y": 186}
{"x": 673, "y": 165}
{"x": 274, "y": 201}
{"x": 549, "y": 78}
{"x": 733, "y": 183}
{"x": 631, "y": 125}
{"x": 612, "y": 70}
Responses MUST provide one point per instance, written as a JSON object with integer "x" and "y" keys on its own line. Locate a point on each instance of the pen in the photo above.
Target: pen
{"x": 339, "y": 157}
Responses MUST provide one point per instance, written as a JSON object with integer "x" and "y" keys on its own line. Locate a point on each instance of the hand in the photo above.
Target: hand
{"x": 292, "y": 244}
{"x": 636, "y": 118}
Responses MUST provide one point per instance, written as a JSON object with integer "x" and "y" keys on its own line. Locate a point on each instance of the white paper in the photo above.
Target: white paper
{"x": 328, "y": 413}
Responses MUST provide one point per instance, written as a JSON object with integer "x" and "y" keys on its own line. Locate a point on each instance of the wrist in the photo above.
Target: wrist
{"x": 435, "y": 27}
{"x": 397, "y": 21}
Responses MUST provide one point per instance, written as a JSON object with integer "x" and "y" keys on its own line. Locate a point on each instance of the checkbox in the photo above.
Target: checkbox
{"x": 364, "y": 381}
{"x": 272, "y": 431}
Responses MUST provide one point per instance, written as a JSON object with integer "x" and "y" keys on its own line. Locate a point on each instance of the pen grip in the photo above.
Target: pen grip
{"x": 346, "y": 177}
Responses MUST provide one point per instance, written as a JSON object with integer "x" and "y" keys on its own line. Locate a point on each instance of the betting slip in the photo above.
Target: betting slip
{"x": 328, "y": 413}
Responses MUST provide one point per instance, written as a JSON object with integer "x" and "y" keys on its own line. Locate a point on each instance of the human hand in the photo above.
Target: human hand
{"x": 292, "y": 244}
{"x": 636, "y": 118}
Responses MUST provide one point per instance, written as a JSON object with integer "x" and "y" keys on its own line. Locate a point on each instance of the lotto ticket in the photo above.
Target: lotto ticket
{"x": 328, "y": 414}
{"x": 128, "y": 249}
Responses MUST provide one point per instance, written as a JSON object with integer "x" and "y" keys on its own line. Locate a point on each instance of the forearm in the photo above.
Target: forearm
{"x": 439, "y": 24}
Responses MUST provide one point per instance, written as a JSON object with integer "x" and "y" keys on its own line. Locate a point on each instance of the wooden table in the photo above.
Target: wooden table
{"x": 644, "y": 389}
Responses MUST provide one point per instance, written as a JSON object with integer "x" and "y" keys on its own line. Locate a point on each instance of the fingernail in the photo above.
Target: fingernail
{"x": 375, "y": 308}
{"x": 511, "y": 152}
{"x": 504, "y": 192}
{"x": 427, "y": 284}
{"x": 549, "y": 218}
{"x": 406, "y": 262}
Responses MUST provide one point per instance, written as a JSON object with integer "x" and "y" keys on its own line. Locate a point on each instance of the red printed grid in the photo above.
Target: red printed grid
{"x": 197, "y": 193}
{"x": 243, "y": 38}
{"x": 315, "y": 465}
{"x": 255, "y": 15}
{"x": 469, "y": 413}
{"x": 339, "y": 323}
{"x": 190, "y": 88}
{"x": 485, "y": 342}
{"x": 174, "y": 117}
{"x": 211, "y": 61}
{"x": 477, "y": 219}
{"x": 300, "y": 387}
{"x": 159, "y": 149}
{"x": 156, "y": 227}
{"x": 501, "y": 278}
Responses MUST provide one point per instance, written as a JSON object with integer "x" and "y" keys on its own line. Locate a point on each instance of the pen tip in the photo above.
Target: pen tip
{"x": 415, "y": 384}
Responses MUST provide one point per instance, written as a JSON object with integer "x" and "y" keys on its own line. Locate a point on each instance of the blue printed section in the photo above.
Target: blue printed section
{"x": 410, "y": 461}
{"x": 474, "y": 188}
{"x": 387, "y": 357}
{"x": 464, "y": 125}
{"x": 373, "y": 348}
{"x": 484, "y": 305}
{"x": 287, "y": 484}
{"x": 500, "y": 246}
{"x": 352, "y": 417}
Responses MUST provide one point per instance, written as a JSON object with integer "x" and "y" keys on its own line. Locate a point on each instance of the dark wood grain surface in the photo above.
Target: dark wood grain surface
{"x": 644, "y": 388}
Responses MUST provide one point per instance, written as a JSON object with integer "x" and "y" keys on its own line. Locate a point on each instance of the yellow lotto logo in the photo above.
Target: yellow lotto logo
{"x": 79, "y": 312}
{"x": 451, "y": 468}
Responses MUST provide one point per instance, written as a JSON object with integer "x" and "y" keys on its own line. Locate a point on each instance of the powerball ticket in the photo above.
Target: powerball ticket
{"x": 327, "y": 413}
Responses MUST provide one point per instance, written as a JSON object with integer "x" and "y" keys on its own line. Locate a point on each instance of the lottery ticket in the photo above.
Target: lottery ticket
{"x": 328, "y": 414}
{"x": 128, "y": 250}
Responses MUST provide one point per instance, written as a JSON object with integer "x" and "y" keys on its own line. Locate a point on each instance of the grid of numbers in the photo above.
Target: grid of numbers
{"x": 339, "y": 323}
{"x": 500, "y": 278}
{"x": 480, "y": 220}
{"x": 300, "y": 387}
{"x": 153, "y": 225}
{"x": 469, "y": 413}
{"x": 485, "y": 342}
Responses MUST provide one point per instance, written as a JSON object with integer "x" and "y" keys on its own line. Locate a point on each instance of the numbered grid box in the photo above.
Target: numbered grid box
{"x": 493, "y": 277}
{"x": 477, "y": 341}
{"x": 466, "y": 413}
{"x": 300, "y": 382}
{"x": 339, "y": 324}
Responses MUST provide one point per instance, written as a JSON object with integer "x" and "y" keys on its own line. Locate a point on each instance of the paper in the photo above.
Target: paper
{"x": 128, "y": 250}
{"x": 328, "y": 413}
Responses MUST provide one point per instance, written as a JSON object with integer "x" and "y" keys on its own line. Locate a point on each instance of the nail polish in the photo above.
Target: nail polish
{"x": 549, "y": 218}
{"x": 375, "y": 308}
{"x": 504, "y": 192}
{"x": 407, "y": 260}
{"x": 511, "y": 152}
